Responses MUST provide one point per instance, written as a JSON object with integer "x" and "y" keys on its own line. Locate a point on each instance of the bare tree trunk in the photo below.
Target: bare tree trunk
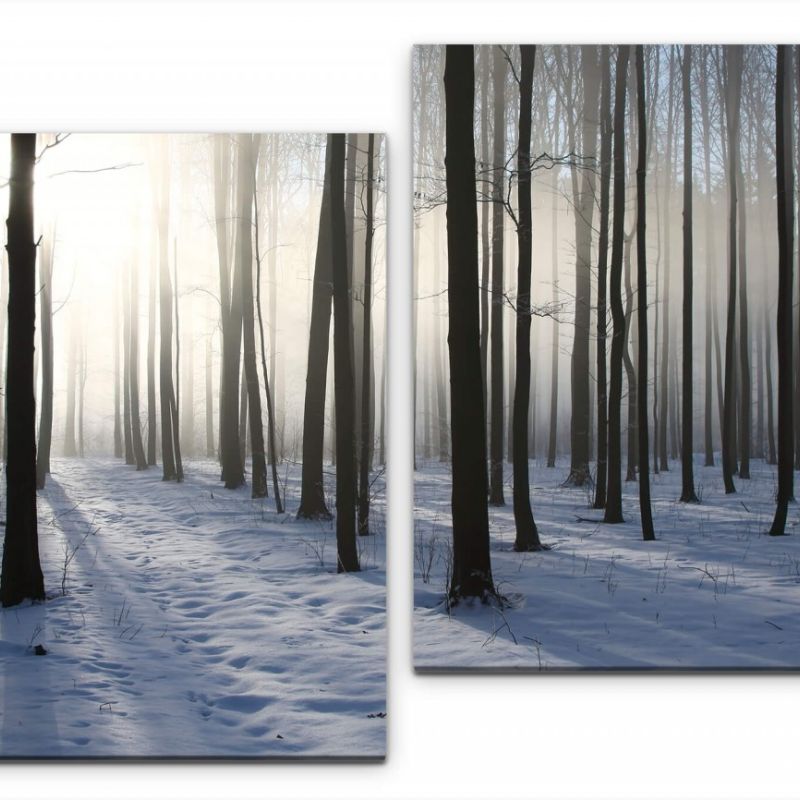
{"x": 46, "y": 306}
{"x": 366, "y": 351}
{"x": 151, "y": 364}
{"x": 496, "y": 497}
{"x": 553, "y": 432}
{"x": 247, "y": 158}
{"x": 210, "y": 449}
{"x": 170, "y": 450}
{"x": 785, "y": 192}
{"x": 344, "y": 378}
{"x": 641, "y": 269}
{"x": 602, "y": 270}
{"x": 21, "y": 576}
{"x": 613, "y": 513}
{"x": 132, "y": 376}
{"x": 584, "y": 214}
{"x": 745, "y": 390}
{"x": 273, "y": 458}
{"x": 688, "y": 494}
{"x": 527, "y": 535}
{"x": 312, "y": 497}
{"x": 711, "y": 266}
{"x": 471, "y": 573}
{"x": 733, "y": 54}
{"x": 665, "y": 335}
{"x": 486, "y": 158}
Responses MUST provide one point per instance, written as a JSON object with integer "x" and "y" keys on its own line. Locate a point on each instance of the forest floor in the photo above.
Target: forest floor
{"x": 712, "y": 592}
{"x": 187, "y": 620}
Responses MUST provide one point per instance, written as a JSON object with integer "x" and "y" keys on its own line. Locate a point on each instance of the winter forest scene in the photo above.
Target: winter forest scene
{"x": 193, "y": 436}
{"x": 607, "y": 351}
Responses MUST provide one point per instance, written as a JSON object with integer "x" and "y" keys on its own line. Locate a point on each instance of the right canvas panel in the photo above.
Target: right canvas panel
{"x": 607, "y": 388}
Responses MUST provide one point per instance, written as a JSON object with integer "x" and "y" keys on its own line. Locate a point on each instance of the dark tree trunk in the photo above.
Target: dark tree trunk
{"x": 496, "y": 497}
{"x": 785, "y": 337}
{"x": 21, "y": 576}
{"x": 485, "y": 246}
{"x": 366, "y": 351}
{"x": 273, "y": 458}
{"x": 772, "y": 457}
{"x": 602, "y": 272}
{"x": 745, "y": 390}
{"x": 170, "y": 450}
{"x": 471, "y": 574}
{"x": 665, "y": 406}
{"x": 584, "y": 216}
{"x": 46, "y": 306}
{"x": 231, "y": 298}
{"x": 554, "y": 354}
{"x": 344, "y": 377}
{"x": 641, "y": 271}
{"x": 248, "y": 156}
{"x": 613, "y": 511}
{"x": 711, "y": 266}
{"x": 312, "y": 496}
{"x": 733, "y": 59}
{"x": 687, "y": 472}
{"x": 527, "y": 537}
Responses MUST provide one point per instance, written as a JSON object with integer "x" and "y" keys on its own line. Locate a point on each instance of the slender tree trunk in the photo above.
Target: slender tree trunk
{"x": 21, "y": 577}
{"x": 247, "y": 158}
{"x": 745, "y": 390}
{"x": 733, "y": 57}
{"x": 711, "y": 266}
{"x": 496, "y": 497}
{"x": 126, "y": 366}
{"x": 584, "y": 213}
{"x": 641, "y": 270}
{"x": 553, "y": 431}
{"x": 688, "y": 494}
{"x": 273, "y": 458}
{"x": 602, "y": 270}
{"x": 151, "y": 364}
{"x": 527, "y": 535}
{"x": 46, "y": 306}
{"x": 665, "y": 335}
{"x": 613, "y": 513}
{"x": 70, "y": 444}
{"x": 772, "y": 457}
{"x": 312, "y": 497}
{"x": 366, "y": 351}
{"x": 344, "y": 378}
{"x": 785, "y": 194}
{"x": 132, "y": 377}
{"x": 210, "y": 449}
{"x": 471, "y": 574}
{"x": 170, "y": 451}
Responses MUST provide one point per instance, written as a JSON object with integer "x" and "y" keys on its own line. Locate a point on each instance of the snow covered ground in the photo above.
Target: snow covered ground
{"x": 712, "y": 592}
{"x": 193, "y": 621}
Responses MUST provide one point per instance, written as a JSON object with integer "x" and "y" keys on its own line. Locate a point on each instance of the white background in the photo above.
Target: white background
{"x": 345, "y": 66}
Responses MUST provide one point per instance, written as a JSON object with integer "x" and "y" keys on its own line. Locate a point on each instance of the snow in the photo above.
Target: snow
{"x": 196, "y": 622}
{"x": 712, "y": 592}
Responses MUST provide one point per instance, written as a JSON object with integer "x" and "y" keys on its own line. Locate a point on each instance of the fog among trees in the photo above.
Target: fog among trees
{"x": 615, "y": 223}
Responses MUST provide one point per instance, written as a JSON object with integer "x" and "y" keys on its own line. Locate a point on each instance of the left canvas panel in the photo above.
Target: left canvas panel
{"x": 193, "y": 440}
